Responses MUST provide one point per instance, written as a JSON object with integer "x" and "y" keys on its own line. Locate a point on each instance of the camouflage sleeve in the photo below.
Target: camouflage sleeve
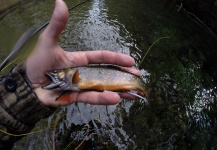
{"x": 20, "y": 108}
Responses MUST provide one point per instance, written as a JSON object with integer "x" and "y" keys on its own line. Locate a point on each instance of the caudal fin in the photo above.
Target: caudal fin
{"x": 134, "y": 93}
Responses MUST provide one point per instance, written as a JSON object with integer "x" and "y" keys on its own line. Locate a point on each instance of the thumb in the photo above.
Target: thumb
{"x": 58, "y": 21}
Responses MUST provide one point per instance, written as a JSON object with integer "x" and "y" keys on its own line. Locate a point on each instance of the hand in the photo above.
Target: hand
{"x": 47, "y": 55}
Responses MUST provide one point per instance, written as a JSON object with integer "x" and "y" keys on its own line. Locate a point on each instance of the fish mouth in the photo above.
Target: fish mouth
{"x": 51, "y": 86}
{"x": 54, "y": 82}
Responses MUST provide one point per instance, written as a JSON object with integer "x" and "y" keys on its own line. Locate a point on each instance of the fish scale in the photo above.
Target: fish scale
{"x": 96, "y": 78}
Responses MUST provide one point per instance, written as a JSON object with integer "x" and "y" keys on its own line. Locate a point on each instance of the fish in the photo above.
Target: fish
{"x": 100, "y": 77}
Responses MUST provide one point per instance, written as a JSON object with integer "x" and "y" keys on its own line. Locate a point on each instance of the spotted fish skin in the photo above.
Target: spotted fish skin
{"x": 95, "y": 78}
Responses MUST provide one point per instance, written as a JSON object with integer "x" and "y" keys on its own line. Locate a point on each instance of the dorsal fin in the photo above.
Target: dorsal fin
{"x": 106, "y": 66}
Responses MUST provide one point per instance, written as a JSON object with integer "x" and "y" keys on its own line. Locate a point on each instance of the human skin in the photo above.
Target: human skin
{"x": 48, "y": 55}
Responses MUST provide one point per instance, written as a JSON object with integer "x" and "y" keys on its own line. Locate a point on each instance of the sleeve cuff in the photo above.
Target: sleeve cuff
{"x": 22, "y": 104}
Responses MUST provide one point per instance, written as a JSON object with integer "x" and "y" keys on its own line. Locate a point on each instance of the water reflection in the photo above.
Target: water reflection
{"x": 94, "y": 30}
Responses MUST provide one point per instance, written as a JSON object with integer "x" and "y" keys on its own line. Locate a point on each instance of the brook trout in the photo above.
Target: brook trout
{"x": 96, "y": 78}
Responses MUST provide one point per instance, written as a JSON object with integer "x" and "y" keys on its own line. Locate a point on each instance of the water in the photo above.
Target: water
{"x": 180, "y": 71}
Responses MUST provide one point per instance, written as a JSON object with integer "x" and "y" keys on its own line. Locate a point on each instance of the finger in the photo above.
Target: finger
{"x": 97, "y": 57}
{"x": 58, "y": 21}
{"x": 98, "y": 98}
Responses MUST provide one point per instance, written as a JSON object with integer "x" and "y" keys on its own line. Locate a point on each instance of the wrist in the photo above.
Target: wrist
{"x": 47, "y": 98}
{"x": 41, "y": 94}
{"x": 28, "y": 99}
{"x": 20, "y": 108}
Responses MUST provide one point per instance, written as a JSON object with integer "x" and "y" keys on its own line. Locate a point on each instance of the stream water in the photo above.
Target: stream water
{"x": 179, "y": 70}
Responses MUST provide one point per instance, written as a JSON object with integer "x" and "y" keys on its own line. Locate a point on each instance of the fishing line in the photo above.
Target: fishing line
{"x": 82, "y": 142}
{"x": 73, "y": 7}
{"x": 18, "y": 46}
{"x": 199, "y": 21}
{"x": 54, "y": 130}
{"x": 30, "y": 133}
{"x": 165, "y": 37}
{"x": 27, "y": 36}
{"x": 9, "y": 64}
{"x": 57, "y": 123}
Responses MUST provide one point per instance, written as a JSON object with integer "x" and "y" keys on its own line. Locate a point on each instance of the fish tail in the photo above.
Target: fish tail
{"x": 146, "y": 91}
{"x": 134, "y": 93}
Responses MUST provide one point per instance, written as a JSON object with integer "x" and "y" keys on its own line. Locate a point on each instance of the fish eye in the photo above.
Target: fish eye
{"x": 55, "y": 71}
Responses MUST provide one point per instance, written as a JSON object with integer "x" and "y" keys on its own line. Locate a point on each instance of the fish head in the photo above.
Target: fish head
{"x": 61, "y": 79}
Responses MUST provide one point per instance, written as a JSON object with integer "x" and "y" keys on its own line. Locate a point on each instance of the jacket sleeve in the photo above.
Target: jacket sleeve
{"x": 20, "y": 108}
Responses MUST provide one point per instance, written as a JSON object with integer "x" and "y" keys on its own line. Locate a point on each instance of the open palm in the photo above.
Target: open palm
{"x": 48, "y": 55}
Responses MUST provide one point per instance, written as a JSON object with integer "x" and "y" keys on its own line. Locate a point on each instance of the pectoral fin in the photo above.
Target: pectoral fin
{"x": 75, "y": 77}
{"x": 65, "y": 97}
